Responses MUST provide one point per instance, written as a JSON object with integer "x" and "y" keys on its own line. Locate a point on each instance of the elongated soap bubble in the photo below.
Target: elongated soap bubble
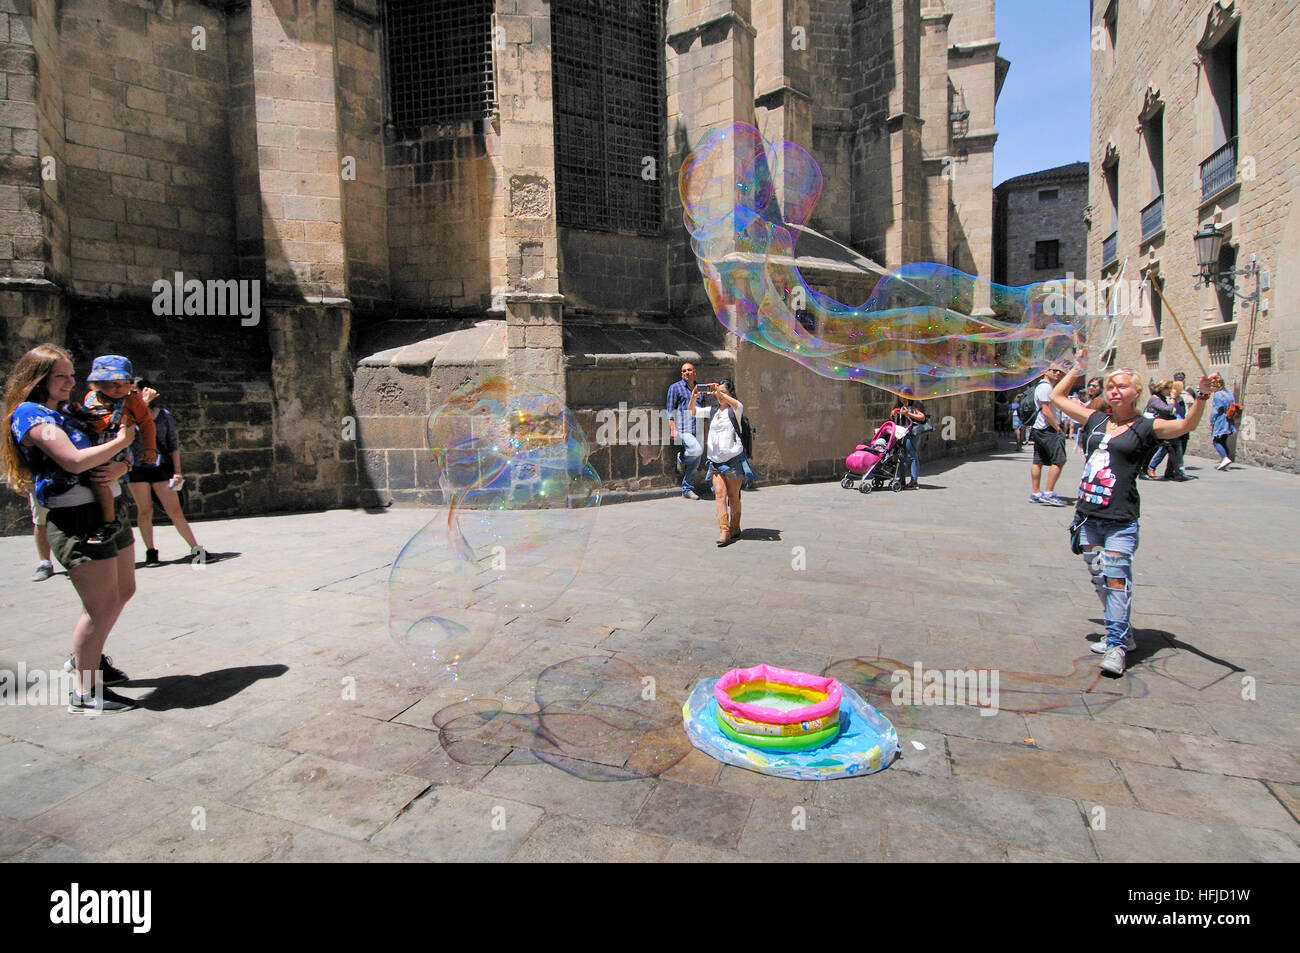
{"x": 924, "y": 330}
{"x": 519, "y": 504}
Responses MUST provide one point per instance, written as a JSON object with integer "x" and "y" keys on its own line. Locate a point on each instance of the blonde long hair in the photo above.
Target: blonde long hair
{"x": 26, "y": 382}
{"x": 1134, "y": 379}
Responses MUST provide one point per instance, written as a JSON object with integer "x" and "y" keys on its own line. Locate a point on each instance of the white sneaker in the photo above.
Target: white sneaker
{"x": 1099, "y": 647}
{"x": 1224, "y": 463}
{"x": 1113, "y": 661}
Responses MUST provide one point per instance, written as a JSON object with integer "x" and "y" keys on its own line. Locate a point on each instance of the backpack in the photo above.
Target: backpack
{"x": 746, "y": 433}
{"x": 1028, "y": 408}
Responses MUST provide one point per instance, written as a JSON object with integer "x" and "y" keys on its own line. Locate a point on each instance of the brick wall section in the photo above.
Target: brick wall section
{"x": 440, "y": 204}
{"x": 148, "y": 182}
{"x": 1261, "y": 213}
{"x": 361, "y": 118}
{"x": 23, "y": 251}
{"x": 603, "y": 271}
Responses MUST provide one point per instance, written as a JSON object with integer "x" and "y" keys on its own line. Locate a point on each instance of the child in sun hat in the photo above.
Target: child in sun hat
{"x": 111, "y": 402}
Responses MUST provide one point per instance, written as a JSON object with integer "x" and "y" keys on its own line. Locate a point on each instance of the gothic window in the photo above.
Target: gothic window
{"x": 439, "y": 58}
{"x": 608, "y": 58}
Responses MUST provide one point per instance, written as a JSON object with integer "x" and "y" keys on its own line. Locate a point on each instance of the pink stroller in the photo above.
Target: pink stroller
{"x": 878, "y": 461}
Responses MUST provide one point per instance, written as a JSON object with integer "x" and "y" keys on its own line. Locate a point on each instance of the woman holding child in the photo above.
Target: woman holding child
{"x": 47, "y": 450}
{"x": 1117, "y": 441}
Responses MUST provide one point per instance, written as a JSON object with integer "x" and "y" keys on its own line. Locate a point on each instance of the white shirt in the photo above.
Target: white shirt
{"x": 1042, "y": 395}
{"x": 724, "y": 442}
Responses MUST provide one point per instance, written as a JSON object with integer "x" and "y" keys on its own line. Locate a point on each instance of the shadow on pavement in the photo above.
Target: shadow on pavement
{"x": 764, "y": 535}
{"x": 199, "y": 691}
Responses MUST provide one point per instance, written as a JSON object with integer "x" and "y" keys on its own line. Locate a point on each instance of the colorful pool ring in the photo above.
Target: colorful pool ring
{"x": 823, "y": 694}
{"x": 768, "y": 743}
{"x": 867, "y": 742}
{"x": 746, "y": 727}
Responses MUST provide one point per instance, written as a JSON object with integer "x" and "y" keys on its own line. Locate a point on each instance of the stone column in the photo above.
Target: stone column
{"x": 709, "y": 73}
{"x": 939, "y": 164}
{"x": 289, "y": 226}
{"x": 535, "y": 342}
{"x": 34, "y": 242}
{"x": 783, "y": 99}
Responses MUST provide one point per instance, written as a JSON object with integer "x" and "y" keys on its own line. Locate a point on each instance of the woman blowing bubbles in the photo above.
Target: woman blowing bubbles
{"x": 1116, "y": 443}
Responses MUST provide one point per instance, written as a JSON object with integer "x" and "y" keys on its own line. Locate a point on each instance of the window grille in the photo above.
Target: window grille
{"x": 439, "y": 61}
{"x": 608, "y": 72}
{"x": 1047, "y": 255}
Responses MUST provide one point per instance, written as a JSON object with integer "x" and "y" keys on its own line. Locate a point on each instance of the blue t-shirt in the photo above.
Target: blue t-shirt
{"x": 51, "y": 479}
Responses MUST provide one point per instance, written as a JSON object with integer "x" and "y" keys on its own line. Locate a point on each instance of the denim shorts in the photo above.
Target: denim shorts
{"x": 70, "y": 525}
{"x": 732, "y": 469}
{"x": 1115, "y": 537}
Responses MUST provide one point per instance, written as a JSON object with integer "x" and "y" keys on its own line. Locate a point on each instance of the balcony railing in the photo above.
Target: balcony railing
{"x": 1220, "y": 170}
{"x": 1153, "y": 217}
{"x": 1109, "y": 249}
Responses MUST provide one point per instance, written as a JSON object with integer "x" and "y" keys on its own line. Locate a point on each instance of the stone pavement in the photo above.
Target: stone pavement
{"x": 281, "y": 723}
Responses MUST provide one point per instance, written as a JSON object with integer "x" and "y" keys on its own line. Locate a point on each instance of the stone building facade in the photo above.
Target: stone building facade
{"x": 1038, "y": 226}
{"x": 1194, "y": 123}
{"x": 429, "y": 192}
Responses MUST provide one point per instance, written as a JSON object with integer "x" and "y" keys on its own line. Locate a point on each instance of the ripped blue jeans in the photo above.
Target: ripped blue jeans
{"x": 1112, "y": 558}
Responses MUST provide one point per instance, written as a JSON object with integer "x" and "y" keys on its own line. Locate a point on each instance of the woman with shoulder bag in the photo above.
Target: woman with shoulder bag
{"x": 918, "y": 423}
{"x": 726, "y": 456}
{"x": 1117, "y": 445}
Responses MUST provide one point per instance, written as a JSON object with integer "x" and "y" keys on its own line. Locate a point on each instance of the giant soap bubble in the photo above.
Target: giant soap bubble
{"x": 927, "y": 329}
{"x": 519, "y": 503}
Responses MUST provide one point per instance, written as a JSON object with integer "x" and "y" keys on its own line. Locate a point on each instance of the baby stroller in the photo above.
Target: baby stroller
{"x": 879, "y": 461}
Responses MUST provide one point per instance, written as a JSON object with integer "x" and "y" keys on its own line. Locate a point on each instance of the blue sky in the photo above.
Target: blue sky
{"x": 1043, "y": 113}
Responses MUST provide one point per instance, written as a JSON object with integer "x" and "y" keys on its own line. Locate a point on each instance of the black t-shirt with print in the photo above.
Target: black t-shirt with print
{"x": 1109, "y": 486}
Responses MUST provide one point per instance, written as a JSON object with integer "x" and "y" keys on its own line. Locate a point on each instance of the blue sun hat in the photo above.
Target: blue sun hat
{"x": 110, "y": 367}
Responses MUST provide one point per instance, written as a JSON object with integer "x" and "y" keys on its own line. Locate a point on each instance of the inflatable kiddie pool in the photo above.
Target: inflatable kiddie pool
{"x": 788, "y": 724}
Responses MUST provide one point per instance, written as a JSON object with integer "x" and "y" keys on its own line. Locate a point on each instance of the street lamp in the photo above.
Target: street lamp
{"x": 1209, "y": 243}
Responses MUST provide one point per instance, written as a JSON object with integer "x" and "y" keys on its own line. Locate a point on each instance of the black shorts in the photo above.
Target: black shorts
{"x": 1049, "y": 447}
{"x": 163, "y": 472}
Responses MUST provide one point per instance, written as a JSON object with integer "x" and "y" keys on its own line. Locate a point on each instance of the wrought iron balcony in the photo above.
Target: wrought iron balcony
{"x": 1220, "y": 170}
{"x": 1109, "y": 249}
{"x": 1153, "y": 217}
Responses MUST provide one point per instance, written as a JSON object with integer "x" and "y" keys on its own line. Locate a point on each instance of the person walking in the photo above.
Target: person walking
{"x": 146, "y": 482}
{"x": 1049, "y": 441}
{"x": 726, "y": 459}
{"x": 1116, "y": 445}
{"x": 1221, "y": 426}
{"x": 45, "y": 451}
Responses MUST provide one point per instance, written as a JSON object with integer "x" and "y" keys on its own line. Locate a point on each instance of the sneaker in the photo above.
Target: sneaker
{"x": 97, "y": 702}
{"x": 109, "y": 673}
{"x": 1035, "y": 497}
{"x": 911, "y": 486}
{"x": 1224, "y": 463}
{"x": 151, "y": 557}
{"x": 1051, "y": 499}
{"x": 1113, "y": 661}
{"x": 43, "y": 571}
{"x": 198, "y": 555}
{"x": 690, "y": 495}
{"x": 1099, "y": 647}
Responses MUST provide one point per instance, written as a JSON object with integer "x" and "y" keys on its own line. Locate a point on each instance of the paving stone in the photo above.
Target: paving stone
{"x": 308, "y": 846}
{"x": 696, "y": 768}
{"x": 1137, "y": 836}
{"x": 615, "y": 802}
{"x": 15, "y": 837}
{"x": 1213, "y": 797}
{"x": 903, "y": 843}
{"x": 224, "y": 769}
{"x": 1032, "y": 769}
{"x": 33, "y": 779}
{"x": 1220, "y": 756}
{"x": 967, "y": 808}
{"x": 755, "y": 785}
{"x": 689, "y": 812}
{"x": 108, "y": 812}
{"x": 222, "y": 834}
{"x": 1288, "y": 795}
{"x": 156, "y": 746}
{"x": 50, "y": 850}
{"x": 362, "y": 741}
{"x": 448, "y": 824}
{"x": 800, "y": 832}
{"x": 1080, "y": 734}
{"x": 563, "y": 839}
{"x": 332, "y": 796}
{"x": 269, "y": 720}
